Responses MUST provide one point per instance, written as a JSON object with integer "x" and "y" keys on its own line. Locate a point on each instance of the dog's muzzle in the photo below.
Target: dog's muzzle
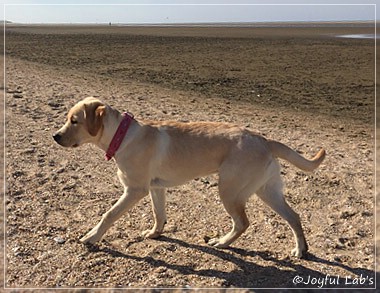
{"x": 58, "y": 138}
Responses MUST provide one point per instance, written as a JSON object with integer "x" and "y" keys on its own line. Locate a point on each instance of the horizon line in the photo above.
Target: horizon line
{"x": 364, "y": 21}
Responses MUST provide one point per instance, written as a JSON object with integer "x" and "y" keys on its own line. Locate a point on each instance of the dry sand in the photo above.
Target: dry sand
{"x": 301, "y": 86}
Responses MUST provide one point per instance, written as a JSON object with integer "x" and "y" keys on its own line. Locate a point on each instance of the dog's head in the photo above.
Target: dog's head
{"x": 84, "y": 124}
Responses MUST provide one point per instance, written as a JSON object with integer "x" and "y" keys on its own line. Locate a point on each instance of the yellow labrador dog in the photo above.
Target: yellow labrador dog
{"x": 154, "y": 155}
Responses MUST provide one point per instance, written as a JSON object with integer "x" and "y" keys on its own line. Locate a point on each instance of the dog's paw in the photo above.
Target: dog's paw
{"x": 298, "y": 253}
{"x": 90, "y": 238}
{"x": 300, "y": 250}
{"x": 217, "y": 242}
{"x": 151, "y": 234}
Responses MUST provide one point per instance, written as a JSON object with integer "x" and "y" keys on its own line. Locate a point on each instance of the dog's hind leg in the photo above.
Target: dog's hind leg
{"x": 234, "y": 203}
{"x": 273, "y": 196}
{"x": 239, "y": 177}
{"x": 240, "y": 223}
{"x": 158, "y": 204}
{"x": 130, "y": 197}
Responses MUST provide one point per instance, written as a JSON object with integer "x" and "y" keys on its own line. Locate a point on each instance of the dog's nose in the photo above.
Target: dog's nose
{"x": 57, "y": 137}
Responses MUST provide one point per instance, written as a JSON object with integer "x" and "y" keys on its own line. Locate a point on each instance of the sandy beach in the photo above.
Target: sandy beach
{"x": 300, "y": 85}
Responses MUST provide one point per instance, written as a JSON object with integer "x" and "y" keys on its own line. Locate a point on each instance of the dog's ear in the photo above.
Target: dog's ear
{"x": 94, "y": 117}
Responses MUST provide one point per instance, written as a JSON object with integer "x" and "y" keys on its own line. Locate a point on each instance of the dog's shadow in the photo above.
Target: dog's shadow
{"x": 277, "y": 274}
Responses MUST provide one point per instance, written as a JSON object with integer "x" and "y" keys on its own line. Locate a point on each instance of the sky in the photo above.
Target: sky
{"x": 181, "y": 11}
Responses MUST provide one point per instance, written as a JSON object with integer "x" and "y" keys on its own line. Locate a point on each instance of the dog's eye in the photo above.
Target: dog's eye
{"x": 73, "y": 121}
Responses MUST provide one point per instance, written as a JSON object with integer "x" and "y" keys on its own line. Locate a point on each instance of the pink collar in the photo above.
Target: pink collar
{"x": 119, "y": 136}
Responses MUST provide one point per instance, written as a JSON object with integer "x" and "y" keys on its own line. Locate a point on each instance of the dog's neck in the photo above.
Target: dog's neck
{"x": 111, "y": 122}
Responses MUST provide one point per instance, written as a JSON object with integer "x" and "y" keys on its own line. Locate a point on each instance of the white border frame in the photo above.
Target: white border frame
{"x": 180, "y": 4}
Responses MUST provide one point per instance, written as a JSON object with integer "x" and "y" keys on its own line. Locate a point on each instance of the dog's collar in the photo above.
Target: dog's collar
{"x": 119, "y": 135}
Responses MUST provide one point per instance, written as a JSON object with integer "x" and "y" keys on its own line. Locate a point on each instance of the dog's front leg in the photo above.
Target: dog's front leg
{"x": 158, "y": 204}
{"x": 130, "y": 197}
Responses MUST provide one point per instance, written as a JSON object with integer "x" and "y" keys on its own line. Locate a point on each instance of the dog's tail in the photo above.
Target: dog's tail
{"x": 284, "y": 152}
